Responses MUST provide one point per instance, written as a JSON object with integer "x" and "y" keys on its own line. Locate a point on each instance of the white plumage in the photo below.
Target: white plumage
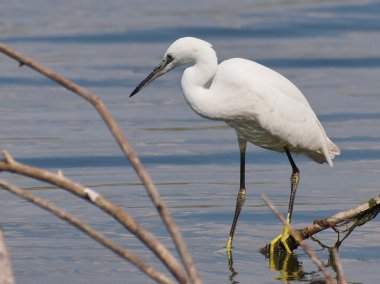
{"x": 263, "y": 106}
{"x": 260, "y": 104}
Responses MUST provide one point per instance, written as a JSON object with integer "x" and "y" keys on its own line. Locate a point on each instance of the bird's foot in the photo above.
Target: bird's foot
{"x": 281, "y": 242}
{"x": 229, "y": 245}
{"x": 228, "y": 249}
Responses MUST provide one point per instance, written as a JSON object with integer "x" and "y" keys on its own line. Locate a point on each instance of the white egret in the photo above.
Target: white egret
{"x": 263, "y": 107}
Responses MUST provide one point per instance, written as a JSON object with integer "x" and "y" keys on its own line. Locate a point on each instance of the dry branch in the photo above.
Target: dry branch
{"x": 358, "y": 216}
{"x": 126, "y": 149}
{"x": 362, "y": 213}
{"x": 297, "y": 237}
{"x": 125, "y": 254}
{"x": 6, "y": 274}
{"x": 107, "y": 206}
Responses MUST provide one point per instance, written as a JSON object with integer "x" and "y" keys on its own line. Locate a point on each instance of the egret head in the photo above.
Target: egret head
{"x": 182, "y": 51}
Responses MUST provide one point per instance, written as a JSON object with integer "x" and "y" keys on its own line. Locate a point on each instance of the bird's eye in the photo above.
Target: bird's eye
{"x": 169, "y": 57}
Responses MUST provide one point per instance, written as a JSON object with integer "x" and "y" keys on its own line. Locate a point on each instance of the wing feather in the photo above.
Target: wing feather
{"x": 275, "y": 113}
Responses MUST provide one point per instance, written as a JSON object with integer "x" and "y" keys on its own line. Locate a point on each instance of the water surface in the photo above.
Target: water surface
{"x": 327, "y": 48}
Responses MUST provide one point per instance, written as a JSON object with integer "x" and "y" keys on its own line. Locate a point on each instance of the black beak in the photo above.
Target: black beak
{"x": 157, "y": 72}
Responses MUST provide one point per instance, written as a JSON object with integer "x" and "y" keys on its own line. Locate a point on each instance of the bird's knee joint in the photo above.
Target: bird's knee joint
{"x": 295, "y": 177}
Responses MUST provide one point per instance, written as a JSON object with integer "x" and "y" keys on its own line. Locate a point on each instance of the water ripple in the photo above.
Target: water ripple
{"x": 220, "y": 158}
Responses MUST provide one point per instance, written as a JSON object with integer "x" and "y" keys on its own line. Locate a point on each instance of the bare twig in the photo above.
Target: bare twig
{"x": 339, "y": 267}
{"x": 126, "y": 149}
{"x": 112, "y": 209}
{"x": 296, "y": 236}
{"x": 125, "y": 254}
{"x": 6, "y": 274}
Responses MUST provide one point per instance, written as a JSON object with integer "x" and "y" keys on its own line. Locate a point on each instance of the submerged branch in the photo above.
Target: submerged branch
{"x": 357, "y": 216}
{"x": 125, "y": 254}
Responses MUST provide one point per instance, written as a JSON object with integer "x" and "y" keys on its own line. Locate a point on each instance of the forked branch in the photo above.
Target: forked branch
{"x": 360, "y": 214}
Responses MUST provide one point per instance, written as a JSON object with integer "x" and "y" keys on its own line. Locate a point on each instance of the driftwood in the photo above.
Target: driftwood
{"x": 348, "y": 220}
{"x": 358, "y": 216}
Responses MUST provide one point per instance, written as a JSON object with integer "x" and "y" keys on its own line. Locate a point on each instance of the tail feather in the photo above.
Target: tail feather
{"x": 329, "y": 149}
{"x": 332, "y": 151}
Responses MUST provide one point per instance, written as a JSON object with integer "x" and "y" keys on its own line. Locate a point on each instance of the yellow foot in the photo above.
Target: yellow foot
{"x": 281, "y": 239}
{"x": 228, "y": 249}
{"x": 229, "y": 244}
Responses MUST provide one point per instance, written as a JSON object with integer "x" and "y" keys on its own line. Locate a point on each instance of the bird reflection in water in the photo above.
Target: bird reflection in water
{"x": 288, "y": 265}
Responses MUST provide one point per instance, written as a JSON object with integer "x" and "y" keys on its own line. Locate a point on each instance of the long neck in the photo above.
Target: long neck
{"x": 196, "y": 81}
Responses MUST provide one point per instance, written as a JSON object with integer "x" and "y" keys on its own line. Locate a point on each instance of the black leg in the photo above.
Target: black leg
{"x": 241, "y": 195}
{"x": 294, "y": 180}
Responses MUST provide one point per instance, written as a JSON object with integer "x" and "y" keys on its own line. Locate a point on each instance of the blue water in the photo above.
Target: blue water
{"x": 330, "y": 49}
